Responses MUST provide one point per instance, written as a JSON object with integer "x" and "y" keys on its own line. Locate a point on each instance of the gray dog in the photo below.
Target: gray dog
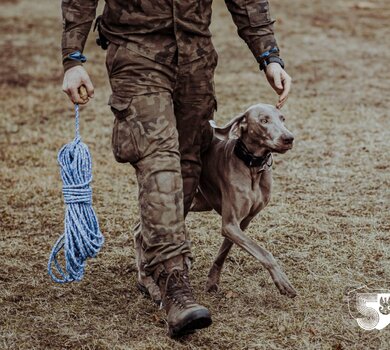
{"x": 236, "y": 182}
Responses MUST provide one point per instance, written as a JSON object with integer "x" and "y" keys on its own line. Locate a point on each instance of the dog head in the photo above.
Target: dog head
{"x": 261, "y": 126}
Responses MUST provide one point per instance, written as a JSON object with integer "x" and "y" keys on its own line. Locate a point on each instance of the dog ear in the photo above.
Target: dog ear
{"x": 233, "y": 129}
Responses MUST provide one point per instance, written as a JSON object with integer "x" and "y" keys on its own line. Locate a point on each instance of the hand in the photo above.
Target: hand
{"x": 74, "y": 78}
{"x": 280, "y": 82}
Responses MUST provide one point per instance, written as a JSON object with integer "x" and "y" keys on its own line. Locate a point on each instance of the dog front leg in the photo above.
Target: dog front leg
{"x": 215, "y": 271}
{"x": 234, "y": 234}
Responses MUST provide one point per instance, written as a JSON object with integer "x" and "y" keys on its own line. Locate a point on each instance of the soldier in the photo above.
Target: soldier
{"x": 160, "y": 62}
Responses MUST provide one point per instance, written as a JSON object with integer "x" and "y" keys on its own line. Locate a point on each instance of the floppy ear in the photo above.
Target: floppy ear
{"x": 232, "y": 130}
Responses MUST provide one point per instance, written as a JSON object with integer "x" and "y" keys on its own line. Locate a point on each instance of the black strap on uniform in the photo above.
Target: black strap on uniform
{"x": 101, "y": 40}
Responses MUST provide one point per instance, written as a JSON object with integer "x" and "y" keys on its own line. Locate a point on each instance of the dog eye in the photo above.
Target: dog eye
{"x": 264, "y": 121}
{"x": 283, "y": 119}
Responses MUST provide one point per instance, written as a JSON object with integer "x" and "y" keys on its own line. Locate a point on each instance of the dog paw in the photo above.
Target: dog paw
{"x": 283, "y": 284}
{"x": 286, "y": 288}
{"x": 211, "y": 287}
{"x": 290, "y": 292}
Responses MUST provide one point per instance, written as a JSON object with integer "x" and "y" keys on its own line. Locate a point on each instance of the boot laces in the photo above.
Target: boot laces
{"x": 178, "y": 289}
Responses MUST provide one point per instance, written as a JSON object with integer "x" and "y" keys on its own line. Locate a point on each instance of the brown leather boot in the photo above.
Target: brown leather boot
{"x": 185, "y": 315}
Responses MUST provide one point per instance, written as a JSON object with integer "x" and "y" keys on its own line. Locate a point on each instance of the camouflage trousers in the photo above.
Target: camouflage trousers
{"x": 161, "y": 128}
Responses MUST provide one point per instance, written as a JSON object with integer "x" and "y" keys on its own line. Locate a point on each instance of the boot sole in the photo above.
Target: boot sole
{"x": 199, "y": 319}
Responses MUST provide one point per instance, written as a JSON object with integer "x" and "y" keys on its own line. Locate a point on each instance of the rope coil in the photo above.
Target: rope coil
{"x": 82, "y": 237}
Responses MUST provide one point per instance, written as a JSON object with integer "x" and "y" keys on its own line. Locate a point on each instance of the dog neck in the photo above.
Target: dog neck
{"x": 249, "y": 158}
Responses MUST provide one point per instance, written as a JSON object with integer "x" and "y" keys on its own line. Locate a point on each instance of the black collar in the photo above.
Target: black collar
{"x": 250, "y": 160}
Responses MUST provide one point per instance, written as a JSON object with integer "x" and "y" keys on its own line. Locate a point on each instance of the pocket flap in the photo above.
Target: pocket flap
{"x": 119, "y": 103}
{"x": 258, "y": 13}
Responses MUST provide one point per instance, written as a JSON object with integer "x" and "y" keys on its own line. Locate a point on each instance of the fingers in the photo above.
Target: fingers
{"x": 67, "y": 91}
{"x": 73, "y": 93}
{"x": 75, "y": 97}
{"x": 281, "y": 102}
{"x": 280, "y": 82}
{"x": 89, "y": 87}
{"x": 77, "y": 85}
{"x": 286, "y": 81}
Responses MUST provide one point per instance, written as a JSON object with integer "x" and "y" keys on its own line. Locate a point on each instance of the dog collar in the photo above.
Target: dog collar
{"x": 250, "y": 160}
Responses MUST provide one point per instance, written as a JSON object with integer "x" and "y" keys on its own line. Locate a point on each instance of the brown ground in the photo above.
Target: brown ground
{"x": 327, "y": 224}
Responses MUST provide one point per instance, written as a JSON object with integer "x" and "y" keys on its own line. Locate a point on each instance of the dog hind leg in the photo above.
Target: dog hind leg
{"x": 214, "y": 274}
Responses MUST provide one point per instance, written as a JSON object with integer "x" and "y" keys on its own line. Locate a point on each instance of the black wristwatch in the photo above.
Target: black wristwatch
{"x": 272, "y": 59}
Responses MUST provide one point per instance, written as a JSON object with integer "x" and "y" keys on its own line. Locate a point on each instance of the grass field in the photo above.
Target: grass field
{"x": 327, "y": 224}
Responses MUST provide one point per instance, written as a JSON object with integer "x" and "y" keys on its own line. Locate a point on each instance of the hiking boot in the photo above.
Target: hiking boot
{"x": 184, "y": 314}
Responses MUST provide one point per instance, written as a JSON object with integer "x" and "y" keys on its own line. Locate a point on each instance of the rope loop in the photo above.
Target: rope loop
{"x": 82, "y": 237}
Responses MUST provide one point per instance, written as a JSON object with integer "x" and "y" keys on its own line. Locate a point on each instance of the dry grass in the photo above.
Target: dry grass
{"x": 327, "y": 224}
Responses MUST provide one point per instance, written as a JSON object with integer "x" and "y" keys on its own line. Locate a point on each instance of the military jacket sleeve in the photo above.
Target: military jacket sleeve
{"x": 254, "y": 24}
{"x": 78, "y": 16}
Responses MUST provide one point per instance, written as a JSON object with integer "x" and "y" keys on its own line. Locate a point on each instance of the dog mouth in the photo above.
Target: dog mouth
{"x": 282, "y": 147}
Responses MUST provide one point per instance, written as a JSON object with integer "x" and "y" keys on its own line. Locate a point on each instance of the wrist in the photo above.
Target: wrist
{"x": 70, "y": 64}
{"x": 268, "y": 61}
{"x": 270, "y": 56}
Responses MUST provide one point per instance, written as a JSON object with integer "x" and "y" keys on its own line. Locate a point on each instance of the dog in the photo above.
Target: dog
{"x": 236, "y": 182}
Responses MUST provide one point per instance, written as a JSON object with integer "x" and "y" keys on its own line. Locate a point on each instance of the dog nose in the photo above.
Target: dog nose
{"x": 287, "y": 139}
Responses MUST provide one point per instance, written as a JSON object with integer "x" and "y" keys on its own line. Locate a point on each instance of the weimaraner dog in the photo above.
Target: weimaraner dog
{"x": 236, "y": 182}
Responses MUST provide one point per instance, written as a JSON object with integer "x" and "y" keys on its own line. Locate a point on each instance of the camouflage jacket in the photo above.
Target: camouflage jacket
{"x": 158, "y": 29}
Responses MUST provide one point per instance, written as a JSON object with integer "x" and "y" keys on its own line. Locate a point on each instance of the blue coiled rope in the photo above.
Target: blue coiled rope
{"x": 82, "y": 237}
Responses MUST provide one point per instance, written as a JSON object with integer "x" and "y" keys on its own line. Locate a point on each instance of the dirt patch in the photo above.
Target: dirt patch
{"x": 13, "y": 61}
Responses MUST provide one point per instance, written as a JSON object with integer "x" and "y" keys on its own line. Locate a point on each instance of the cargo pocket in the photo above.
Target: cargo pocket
{"x": 124, "y": 145}
{"x": 258, "y": 12}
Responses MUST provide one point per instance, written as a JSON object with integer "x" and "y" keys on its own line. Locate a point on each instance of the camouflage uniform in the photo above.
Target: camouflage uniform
{"x": 161, "y": 63}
